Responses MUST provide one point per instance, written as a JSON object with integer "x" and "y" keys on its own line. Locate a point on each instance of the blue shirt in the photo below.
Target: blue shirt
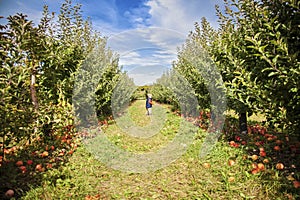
{"x": 148, "y": 104}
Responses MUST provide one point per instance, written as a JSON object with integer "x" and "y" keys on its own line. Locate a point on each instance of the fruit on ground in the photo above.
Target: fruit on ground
{"x": 49, "y": 166}
{"x": 265, "y": 160}
{"x": 254, "y": 157}
{"x": 231, "y": 162}
{"x": 277, "y": 148}
{"x": 279, "y": 166}
{"x": 23, "y": 169}
{"x": 19, "y": 163}
{"x": 9, "y": 193}
{"x": 261, "y": 166}
{"x": 254, "y": 166}
{"x": 39, "y": 167}
{"x": 231, "y": 179}
{"x": 45, "y": 154}
{"x": 29, "y": 162}
{"x": 261, "y": 149}
{"x": 232, "y": 143}
{"x": 296, "y": 184}
{"x": 254, "y": 171}
{"x": 206, "y": 165}
{"x": 262, "y": 153}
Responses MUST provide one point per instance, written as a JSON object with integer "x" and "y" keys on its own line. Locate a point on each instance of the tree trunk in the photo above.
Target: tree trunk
{"x": 243, "y": 122}
{"x": 34, "y": 98}
{"x": 33, "y": 91}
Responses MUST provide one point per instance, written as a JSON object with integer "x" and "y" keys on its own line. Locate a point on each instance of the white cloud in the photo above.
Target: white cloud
{"x": 180, "y": 15}
{"x": 143, "y": 75}
{"x": 169, "y": 23}
{"x": 153, "y": 48}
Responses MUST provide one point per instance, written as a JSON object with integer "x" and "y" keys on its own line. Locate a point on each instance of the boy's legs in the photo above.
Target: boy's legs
{"x": 149, "y": 111}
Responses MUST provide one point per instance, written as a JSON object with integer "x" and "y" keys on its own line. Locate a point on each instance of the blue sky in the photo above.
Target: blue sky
{"x": 145, "y": 33}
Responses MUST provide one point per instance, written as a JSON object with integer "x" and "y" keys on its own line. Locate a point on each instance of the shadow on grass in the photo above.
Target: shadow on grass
{"x": 23, "y": 166}
{"x": 278, "y": 152}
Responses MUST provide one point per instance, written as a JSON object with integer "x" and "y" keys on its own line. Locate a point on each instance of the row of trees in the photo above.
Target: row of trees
{"x": 256, "y": 51}
{"x": 40, "y": 65}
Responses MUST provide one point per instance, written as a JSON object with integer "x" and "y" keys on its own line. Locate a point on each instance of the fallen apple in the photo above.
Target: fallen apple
{"x": 9, "y": 193}
{"x": 231, "y": 162}
{"x": 265, "y": 160}
{"x": 23, "y": 169}
{"x": 39, "y": 167}
{"x": 206, "y": 165}
{"x": 254, "y": 157}
{"x": 261, "y": 149}
{"x": 49, "y": 166}
{"x": 277, "y": 148}
{"x": 254, "y": 171}
{"x": 296, "y": 184}
{"x": 19, "y": 163}
{"x": 254, "y": 166}
{"x": 279, "y": 166}
{"x": 231, "y": 179}
{"x": 261, "y": 166}
{"x": 262, "y": 153}
{"x": 45, "y": 154}
{"x": 29, "y": 162}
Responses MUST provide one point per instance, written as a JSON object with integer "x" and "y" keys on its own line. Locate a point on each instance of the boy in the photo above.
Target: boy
{"x": 149, "y": 104}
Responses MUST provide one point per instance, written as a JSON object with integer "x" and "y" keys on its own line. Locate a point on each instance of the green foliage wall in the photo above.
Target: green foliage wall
{"x": 39, "y": 65}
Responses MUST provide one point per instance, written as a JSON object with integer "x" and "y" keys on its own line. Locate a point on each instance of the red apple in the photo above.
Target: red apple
{"x": 254, "y": 171}
{"x": 261, "y": 149}
{"x": 265, "y": 161}
{"x": 231, "y": 162}
{"x": 232, "y": 143}
{"x": 277, "y": 148}
{"x": 39, "y": 167}
{"x": 262, "y": 153}
{"x": 261, "y": 166}
{"x": 19, "y": 163}
{"x": 71, "y": 152}
{"x": 29, "y": 162}
{"x": 296, "y": 184}
{"x": 23, "y": 169}
{"x": 49, "y": 166}
{"x": 254, "y": 157}
{"x": 254, "y": 166}
{"x": 279, "y": 166}
{"x": 9, "y": 193}
{"x": 45, "y": 154}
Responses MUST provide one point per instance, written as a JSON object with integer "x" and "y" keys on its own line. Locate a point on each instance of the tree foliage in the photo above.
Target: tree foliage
{"x": 39, "y": 65}
{"x": 256, "y": 51}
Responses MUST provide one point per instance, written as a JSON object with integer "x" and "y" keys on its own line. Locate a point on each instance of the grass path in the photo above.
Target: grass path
{"x": 188, "y": 177}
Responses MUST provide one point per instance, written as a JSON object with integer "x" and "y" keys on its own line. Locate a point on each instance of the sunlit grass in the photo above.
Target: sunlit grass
{"x": 188, "y": 177}
{"x": 255, "y": 117}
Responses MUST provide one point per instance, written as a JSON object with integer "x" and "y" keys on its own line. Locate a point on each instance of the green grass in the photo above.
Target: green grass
{"x": 85, "y": 177}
